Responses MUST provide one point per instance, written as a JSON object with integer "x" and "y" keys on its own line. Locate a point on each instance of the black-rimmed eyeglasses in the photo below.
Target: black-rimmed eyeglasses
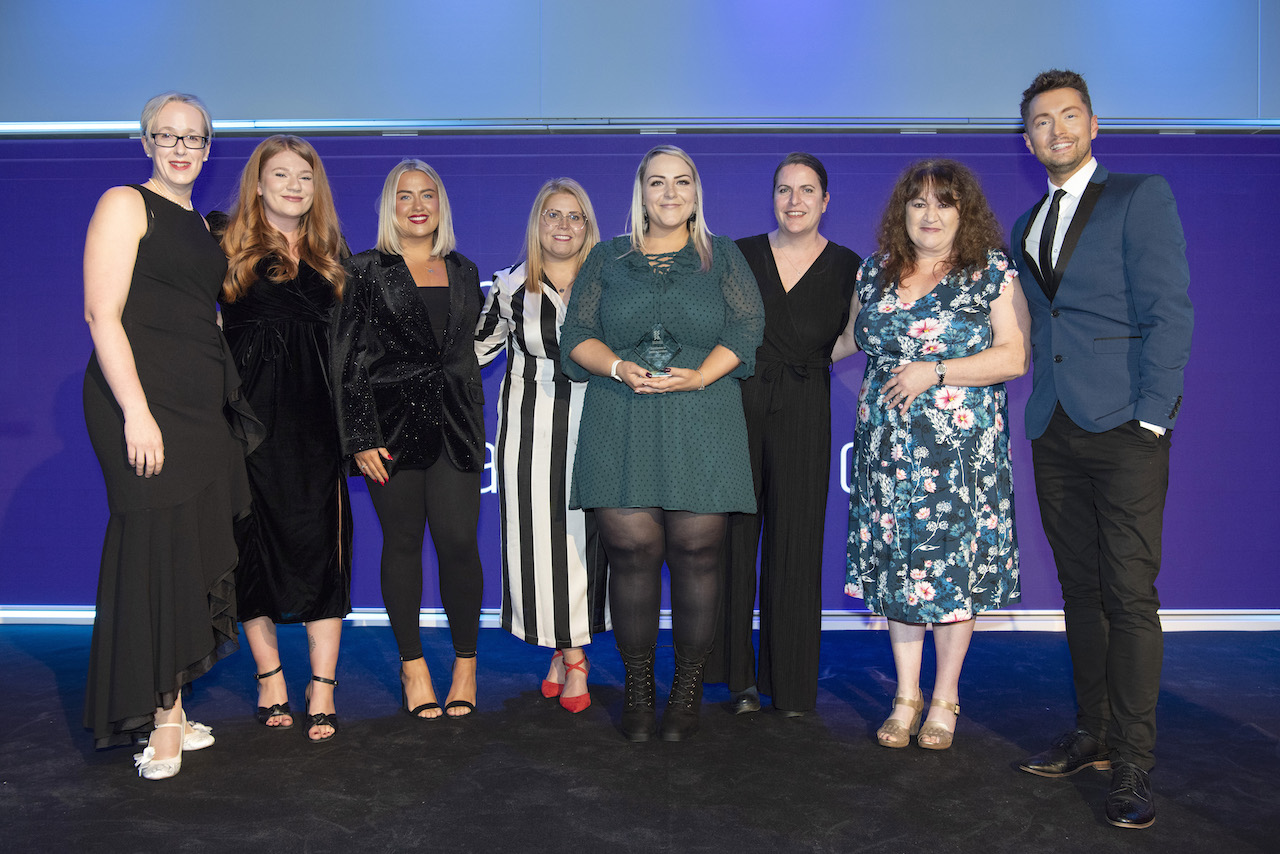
{"x": 170, "y": 140}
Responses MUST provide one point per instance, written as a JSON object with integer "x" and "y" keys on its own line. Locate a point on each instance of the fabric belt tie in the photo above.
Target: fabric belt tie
{"x": 775, "y": 369}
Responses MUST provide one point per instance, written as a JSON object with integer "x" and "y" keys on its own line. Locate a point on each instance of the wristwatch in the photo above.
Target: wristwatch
{"x": 940, "y": 368}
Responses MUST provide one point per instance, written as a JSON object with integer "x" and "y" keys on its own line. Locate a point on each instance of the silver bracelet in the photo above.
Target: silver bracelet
{"x": 701, "y": 379}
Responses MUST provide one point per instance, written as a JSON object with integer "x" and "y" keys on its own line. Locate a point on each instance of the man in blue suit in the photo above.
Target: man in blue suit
{"x": 1110, "y": 336}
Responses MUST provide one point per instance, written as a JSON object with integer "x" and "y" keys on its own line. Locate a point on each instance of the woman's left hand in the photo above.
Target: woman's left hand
{"x": 676, "y": 379}
{"x": 909, "y": 381}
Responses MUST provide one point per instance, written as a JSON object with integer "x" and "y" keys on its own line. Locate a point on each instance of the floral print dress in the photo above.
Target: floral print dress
{"x": 931, "y": 533}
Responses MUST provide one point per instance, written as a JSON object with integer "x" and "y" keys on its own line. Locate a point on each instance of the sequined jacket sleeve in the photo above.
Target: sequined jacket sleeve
{"x": 350, "y": 357}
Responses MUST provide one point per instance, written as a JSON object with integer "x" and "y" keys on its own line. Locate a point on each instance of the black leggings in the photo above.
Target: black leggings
{"x": 638, "y": 541}
{"x": 450, "y": 501}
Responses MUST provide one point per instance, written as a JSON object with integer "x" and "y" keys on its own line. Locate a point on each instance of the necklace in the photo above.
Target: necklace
{"x": 780, "y": 251}
{"x": 163, "y": 193}
{"x": 560, "y": 273}
{"x": 419, "y": 268}
{"x": 790, "y": 263}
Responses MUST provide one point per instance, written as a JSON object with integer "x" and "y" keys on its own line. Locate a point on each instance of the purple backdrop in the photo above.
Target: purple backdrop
{"x": 51, "y": 495}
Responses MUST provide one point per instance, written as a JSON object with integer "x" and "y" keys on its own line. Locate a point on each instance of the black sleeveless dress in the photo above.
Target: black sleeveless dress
{"x": 166, "y": 600}
{"x": 295, "y": 549}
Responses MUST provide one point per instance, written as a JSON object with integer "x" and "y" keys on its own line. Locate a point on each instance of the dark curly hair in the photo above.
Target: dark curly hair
{"x": 955, "y": 184}
{"x": 1047, "y": 81}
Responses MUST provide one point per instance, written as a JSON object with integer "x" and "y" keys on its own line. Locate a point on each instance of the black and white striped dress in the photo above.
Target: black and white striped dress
{"x": 553, "y": 564}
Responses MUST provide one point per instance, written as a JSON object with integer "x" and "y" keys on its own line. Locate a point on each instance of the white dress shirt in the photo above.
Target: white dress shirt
{"x": 1075, "y": 187}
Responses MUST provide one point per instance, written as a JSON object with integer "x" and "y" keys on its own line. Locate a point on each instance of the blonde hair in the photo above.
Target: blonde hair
{"x": 638, "y": 222}
{"x": 388, "y": 237}
{"x": 532, "y": 233}
{"x": 156, "y": 104}
{"x": 250, "y": 239}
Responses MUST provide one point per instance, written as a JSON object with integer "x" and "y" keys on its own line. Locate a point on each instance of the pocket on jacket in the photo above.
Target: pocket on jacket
{"x": 1118, "y": 344}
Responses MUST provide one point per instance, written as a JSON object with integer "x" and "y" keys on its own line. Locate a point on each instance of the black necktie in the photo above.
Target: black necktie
{"x": 1046, "y": 241}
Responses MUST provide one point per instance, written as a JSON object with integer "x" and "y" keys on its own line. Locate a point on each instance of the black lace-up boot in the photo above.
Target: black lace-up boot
{"x": 685, "y": 703}
{"x": 639, "y": 717}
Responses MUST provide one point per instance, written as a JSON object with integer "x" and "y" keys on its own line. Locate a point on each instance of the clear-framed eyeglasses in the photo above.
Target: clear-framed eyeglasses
{"x": 576, "y": 221}
{"x": 170, "y": 140}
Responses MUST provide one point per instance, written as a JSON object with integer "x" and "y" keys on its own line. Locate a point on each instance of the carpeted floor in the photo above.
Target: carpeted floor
{"x": 524, "y": 775}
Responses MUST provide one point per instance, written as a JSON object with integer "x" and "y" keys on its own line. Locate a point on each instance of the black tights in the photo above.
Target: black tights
{"x": 450, "y": 501}
{"x": 638, "y": 540}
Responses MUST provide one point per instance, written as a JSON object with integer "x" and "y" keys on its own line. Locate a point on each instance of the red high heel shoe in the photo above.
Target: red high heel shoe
{"x": 582, "y": 701}
{"x": 552, "y": 689}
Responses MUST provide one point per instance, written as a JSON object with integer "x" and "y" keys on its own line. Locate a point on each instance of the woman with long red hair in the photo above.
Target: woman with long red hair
{"x": 284, "y": 280}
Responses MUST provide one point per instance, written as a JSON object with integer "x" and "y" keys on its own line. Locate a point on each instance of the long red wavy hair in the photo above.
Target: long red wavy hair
{"x": 249, "y": 239}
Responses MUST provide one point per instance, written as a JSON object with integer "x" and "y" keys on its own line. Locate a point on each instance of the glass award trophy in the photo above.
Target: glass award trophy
{"x": 656, "y": 349}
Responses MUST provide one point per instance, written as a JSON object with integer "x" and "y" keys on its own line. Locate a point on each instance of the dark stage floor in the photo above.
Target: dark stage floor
{"x": 524, "y": 775}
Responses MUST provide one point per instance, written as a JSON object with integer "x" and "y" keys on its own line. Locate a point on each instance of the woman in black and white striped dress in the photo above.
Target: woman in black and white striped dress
{"x": 553, "y": 565}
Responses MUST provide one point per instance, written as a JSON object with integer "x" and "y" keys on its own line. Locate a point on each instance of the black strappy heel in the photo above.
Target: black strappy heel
{"x": 266, "y": 713}
{"x": 329, "y": 719}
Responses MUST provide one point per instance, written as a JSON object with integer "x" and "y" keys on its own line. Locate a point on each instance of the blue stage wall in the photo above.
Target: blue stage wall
{"x": 1217, "y": 555}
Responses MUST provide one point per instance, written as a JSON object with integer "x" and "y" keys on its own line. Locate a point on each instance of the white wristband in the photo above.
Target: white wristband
{"x": 613, "y": 370}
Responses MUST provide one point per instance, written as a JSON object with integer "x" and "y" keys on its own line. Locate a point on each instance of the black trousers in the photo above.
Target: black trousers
{"x": 789, "y": 440}
{"x": 1102, "y": 499}
{"x": 449, "y": 500}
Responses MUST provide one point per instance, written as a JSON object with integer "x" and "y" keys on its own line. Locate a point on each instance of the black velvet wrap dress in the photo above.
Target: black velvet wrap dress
{"x": 295, "y": 548}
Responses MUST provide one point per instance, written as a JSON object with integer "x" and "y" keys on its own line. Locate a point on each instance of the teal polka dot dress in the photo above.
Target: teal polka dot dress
{"x": 679, "y": 450}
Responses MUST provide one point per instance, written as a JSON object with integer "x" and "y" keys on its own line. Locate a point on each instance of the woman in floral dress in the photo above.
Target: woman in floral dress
{"x": 944, "y": 324}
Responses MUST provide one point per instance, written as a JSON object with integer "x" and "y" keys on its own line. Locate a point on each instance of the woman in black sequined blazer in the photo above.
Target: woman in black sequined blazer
{"x": 409, "y": 404}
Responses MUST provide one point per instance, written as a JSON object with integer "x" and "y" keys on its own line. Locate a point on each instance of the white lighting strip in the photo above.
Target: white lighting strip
{"x": 828, "y": 124}
{"x": 995, "y": 621}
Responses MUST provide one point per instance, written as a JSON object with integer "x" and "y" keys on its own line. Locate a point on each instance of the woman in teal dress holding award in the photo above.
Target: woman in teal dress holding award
{"x": 663, "y": 322}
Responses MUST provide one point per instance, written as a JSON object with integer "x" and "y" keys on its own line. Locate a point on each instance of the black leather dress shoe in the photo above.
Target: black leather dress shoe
{"x": 1129, "y": 801}
{"x": 1073, "y": 751}
{"x": 745, "y": 702}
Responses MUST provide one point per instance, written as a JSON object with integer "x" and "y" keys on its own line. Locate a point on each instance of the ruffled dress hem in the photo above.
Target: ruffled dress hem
{"x": 155, "y": 630}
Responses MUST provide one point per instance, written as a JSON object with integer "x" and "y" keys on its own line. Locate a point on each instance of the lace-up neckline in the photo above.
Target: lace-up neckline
{"x": 661, "y": 262}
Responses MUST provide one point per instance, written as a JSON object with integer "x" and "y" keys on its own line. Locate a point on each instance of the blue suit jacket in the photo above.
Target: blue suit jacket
{"x": 1111, "y": 344}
